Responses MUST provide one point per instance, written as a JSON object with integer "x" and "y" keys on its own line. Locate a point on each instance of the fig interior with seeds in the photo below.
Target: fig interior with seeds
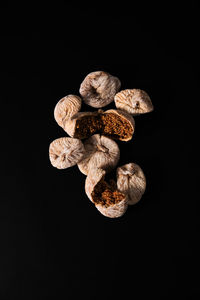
{"x": 106, "y": 194}
{"x": 108, "y": 124}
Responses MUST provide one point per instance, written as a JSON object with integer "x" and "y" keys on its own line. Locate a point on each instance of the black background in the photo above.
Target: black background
{"x": 53, "y": 240}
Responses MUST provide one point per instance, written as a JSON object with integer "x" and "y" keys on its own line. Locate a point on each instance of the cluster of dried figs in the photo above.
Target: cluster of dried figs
{"x": 92, "y": 141}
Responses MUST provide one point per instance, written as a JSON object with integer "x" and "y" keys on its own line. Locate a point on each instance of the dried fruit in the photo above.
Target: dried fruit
{"x": 66, "y": 108}
{"x": 82, "y": 125}
{"x": 108, "y": 200}
{"x": 133, "y": 101}
{"x": 99, "y": 88}
{"x": 113, "y": 123}
{"x": 131, "y": 181}
{"x": 118, "y": 124}
{"x": 100, "y": 152}
{"x": 65, "y": 152}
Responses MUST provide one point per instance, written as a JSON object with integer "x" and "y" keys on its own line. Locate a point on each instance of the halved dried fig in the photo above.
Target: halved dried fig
{"x": 100, "y": 152}
{"x": 99, "y": 88}
{"x": 133, "y": 101}
{"x": 65, "y": 152}
{"x": 131, "y": 181}
{"x": 118, "y": 124}
{"x": 113, "y": 123}
{"x": 66, "y": 108}
{"x": 83, "y": 124}
{"x": 108, "y": 200}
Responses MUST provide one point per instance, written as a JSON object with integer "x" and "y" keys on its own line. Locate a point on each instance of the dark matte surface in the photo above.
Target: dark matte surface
{"x": 53, "y": 240}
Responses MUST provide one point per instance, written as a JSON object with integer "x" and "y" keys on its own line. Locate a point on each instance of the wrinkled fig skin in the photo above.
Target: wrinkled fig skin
{"x": 115, "y": 211}
{"x": 131, "y": 181}
{"x": 66, "y": 108}
{"x": 133, "y": 101}
{"x": 112, "y": 211}
{"x": 65, "y": 152}
{"x": 99, "y": 88}
{"x": 71, "y": 125}
{"x": 100, "y": 152}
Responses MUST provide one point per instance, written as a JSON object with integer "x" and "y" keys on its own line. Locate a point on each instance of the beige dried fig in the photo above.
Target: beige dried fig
{"x": 100, "y": 152}
{"x": 133, "y": 101}
{"x": 99, "y": 88}
{"x": 66, "y": 108}
{"x": 107, "y": 199}
{"x": 113, "y": 123}
{"x": 65, "y": 152}
{"x": 131, "y": 181}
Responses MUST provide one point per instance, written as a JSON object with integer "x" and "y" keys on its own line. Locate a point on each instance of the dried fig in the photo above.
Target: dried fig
{"x": 107, "y": 199}
{"x": 66, "y": 108}
{"x": 118, "y": 124}
{"x": 100, "y": 152}
{"x": 113, "y": 123}
{"x": 65, "y": 152}
{"x": 131, "y": 181}
{"x": 99, "y": 88}
{"x": 83, "y": 124}
{"x": 133, "y": 101}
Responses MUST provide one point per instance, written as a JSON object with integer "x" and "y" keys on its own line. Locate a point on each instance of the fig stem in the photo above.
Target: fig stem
{"x": 102, "y": 148}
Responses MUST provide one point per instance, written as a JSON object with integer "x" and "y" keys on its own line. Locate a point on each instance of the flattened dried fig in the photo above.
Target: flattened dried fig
{"x": 113, "y": 123}
{"x": 107, "y": 199}
{"x": 131, "y": 181}
{"x": 133, "y": 101}
{"x": 65, "y": 152}
{"x": 99, "y": 88}
{"x": 100, "y": 152}
{"x": 66, "y": 108}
